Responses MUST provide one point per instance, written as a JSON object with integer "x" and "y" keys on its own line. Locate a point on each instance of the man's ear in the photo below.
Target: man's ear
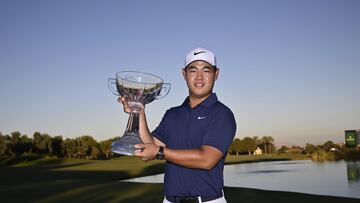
{"x": 217, "y": 73}
{"x": 183, "y": 73}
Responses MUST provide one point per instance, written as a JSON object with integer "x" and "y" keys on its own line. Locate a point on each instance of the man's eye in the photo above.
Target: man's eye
{"x": 207, "y": 70}
{"x": 192, "y": 70}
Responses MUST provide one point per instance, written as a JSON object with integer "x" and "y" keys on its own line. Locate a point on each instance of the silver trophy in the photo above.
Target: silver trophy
{"x": 137, "y": 89}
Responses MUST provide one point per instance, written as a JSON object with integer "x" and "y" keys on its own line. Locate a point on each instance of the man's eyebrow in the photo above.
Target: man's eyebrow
{"x": 205, "y": 67}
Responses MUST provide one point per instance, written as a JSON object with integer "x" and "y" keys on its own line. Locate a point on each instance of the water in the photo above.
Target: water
{"x": 322, "y": 178}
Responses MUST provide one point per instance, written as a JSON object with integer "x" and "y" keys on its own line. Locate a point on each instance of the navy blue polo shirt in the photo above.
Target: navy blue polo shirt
{"x": 182, "y": 127}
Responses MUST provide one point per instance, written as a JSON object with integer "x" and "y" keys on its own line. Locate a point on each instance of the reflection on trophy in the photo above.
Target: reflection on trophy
{"x": 137, "y": 89}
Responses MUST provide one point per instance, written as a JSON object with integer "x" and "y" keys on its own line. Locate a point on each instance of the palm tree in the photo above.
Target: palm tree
{"x": 256, "y": 138}
{"x": 267, "y": 141}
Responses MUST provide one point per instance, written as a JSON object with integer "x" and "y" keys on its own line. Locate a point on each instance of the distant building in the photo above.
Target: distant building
{"x": 352, "y": 138}
{"x": 257, "y": 151}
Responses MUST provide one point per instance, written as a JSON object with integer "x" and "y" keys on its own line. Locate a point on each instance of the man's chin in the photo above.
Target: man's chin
{"x": 200, "y": 95}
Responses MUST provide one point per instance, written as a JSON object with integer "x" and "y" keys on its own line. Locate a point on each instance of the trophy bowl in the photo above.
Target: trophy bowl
{"x": 138, "y": 89}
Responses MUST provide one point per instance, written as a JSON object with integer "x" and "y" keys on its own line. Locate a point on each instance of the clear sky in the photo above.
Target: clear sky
{"x": 288, "y": 69}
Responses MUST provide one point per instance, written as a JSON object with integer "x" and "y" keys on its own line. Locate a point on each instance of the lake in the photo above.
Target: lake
{"x": 339, "y": 178}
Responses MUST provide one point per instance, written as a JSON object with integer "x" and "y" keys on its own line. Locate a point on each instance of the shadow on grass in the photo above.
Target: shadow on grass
{"x": 11, "y": 160}
{"x": 52, "y": 173}
{"x": 62, "y": 181}
{"x": 45, "y": 184}
{"x": 153, "y": 169}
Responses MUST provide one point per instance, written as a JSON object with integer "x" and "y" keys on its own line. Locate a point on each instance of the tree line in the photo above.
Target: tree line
{"x": 248, "y": 145}
{"x": 310, "y": 148}
{"x": 84, "y": 147}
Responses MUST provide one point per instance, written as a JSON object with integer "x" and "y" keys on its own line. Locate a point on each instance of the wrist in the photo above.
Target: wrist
{"x": 160, "y": 155}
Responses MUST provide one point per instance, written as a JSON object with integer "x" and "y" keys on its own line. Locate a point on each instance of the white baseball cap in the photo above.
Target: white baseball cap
{"x": 200, "y": 54}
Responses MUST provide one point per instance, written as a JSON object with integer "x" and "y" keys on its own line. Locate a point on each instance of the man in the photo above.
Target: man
{"x": 194, "y": 137}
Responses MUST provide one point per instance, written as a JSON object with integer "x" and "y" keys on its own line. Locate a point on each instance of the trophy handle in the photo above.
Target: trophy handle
{"x": 165, "y": 89}
{"x": 111, "y": 86}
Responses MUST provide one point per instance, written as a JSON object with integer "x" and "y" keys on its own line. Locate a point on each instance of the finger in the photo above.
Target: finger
{"x": 139, "y": 150}
{"x": 121, "y": 100}
{"x": 138, "y": 153}
{"x": 140, "y": 146}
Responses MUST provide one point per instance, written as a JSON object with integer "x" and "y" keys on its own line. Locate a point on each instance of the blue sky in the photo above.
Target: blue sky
{"x": 288, "y": 69}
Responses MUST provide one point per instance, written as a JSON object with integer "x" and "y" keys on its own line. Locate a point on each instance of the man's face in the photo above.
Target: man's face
{"x": 200, "y": 77}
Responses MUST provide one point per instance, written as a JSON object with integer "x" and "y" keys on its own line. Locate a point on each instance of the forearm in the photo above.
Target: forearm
{"x": 144, "y": 131}
{"x": 202, "y": 158}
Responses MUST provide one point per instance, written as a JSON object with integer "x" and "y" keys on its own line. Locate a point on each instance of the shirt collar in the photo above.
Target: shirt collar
{"x": 209, "y": 101}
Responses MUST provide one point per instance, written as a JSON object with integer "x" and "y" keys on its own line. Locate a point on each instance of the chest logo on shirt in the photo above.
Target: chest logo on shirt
{"x": 201, "y": 117}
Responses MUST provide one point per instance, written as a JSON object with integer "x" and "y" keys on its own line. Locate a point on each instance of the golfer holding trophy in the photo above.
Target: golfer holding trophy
{"x": 193, "y": 137}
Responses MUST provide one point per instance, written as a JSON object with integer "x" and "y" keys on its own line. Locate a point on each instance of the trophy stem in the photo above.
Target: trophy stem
{"x": 126, "y": 144}
{"x": 133, "y": 123}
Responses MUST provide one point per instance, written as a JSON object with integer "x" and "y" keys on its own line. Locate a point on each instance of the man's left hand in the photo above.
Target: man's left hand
{"x": 146, "y": 152}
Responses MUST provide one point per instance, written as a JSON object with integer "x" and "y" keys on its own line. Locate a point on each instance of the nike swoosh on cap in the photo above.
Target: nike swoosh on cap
{"x": 196, "y": 53}
{"x": 200, "y": 117}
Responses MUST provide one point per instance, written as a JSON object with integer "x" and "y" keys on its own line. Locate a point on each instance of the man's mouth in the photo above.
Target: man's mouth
{"x": 199, "y": 84}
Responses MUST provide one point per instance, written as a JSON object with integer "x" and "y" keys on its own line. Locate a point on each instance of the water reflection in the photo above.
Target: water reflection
{"x": 324, "y": 178}
{"x": 353, "y": 171}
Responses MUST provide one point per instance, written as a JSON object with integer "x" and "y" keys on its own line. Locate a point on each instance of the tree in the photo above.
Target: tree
{"x": 3, "y": 145}
{"x": 95, "y": 151}
{"x": 329, "y": 144}
{"x": 19, "y": 144}
{"x": 26, "y": 144}
{"x": 85, "y": 145}
{"x": 42, "y": 143}
{"x": 236, "y": 146}
{"x": 283, "y": 149}
{"x": 37, "y": 139}
{"x": 15, "y": 145}
{"x": 267, "y": 143}
{"x": 272, "y": 148}
{"x": 38, "y": 142}
{"x": 310, "y": 148}
{"x": 257, "y": 140}
{"x": 57, "y": 146}
{"x": 296, "y": 150}
{"x": 70, "y": 148}
{"x": 249, "y": 144}
{"x": 105, "y": 147}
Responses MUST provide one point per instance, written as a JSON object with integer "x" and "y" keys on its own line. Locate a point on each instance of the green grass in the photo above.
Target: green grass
{"x": 36, "y": 179}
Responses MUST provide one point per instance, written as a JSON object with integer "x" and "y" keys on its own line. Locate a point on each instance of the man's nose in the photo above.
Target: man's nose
{"x": 199, "y": 74}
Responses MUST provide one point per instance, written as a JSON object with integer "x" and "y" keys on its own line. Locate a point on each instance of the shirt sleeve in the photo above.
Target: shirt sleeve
{"x": 160, "y": 131}
{"x": 221, "y": 130}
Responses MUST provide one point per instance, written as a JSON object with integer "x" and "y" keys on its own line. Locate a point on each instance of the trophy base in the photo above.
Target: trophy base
{"x": 126, "y": 144}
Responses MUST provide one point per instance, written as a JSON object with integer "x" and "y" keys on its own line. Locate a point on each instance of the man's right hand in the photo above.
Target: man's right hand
{"x": 123, "y": 101}
{"x": 126, "y": 106}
